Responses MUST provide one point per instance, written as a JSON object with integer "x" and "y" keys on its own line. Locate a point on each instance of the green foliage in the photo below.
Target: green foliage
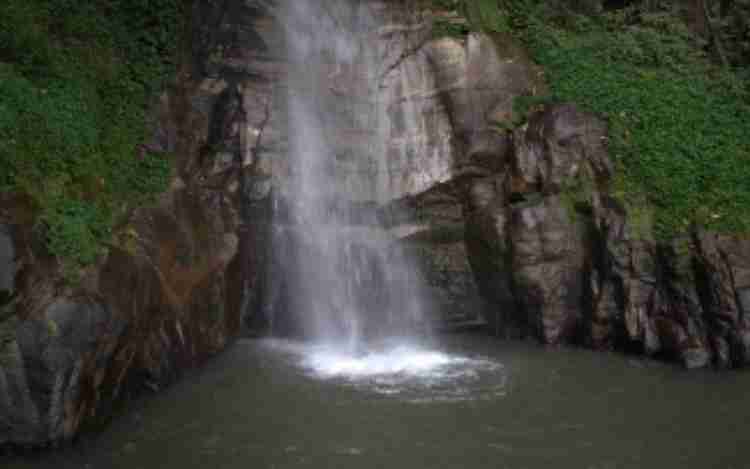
{"x": 577, "y": 195}
{"x": 678, "y": 123}
{"x": 485, "y": 15}
{"x": 478, "y": 15}
{"x": 75, "y": 230}
{"x": 75, "y": 80}
{"x": 447, "y": 4}
{"x": 445, "y": 28}
{"x": 524, "y": 106}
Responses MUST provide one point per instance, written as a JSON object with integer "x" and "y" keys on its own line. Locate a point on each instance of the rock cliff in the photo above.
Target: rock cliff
{"x": 562, "y": 262}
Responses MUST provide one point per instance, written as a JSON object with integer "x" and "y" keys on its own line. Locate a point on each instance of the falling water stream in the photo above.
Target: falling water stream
{"x": 355, "y": 291}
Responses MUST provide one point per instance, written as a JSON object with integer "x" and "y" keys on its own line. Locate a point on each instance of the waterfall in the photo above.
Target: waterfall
{"x": 353, "y": 285}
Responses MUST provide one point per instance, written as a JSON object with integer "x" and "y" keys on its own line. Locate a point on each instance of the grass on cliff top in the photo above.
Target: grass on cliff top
{"x": 679, "y": 123}
{"x": 75, "y": 80}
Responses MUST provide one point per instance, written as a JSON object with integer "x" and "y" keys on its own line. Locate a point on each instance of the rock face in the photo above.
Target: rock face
{"x": 560, "y": 261}
{"x": 167, "y": 295}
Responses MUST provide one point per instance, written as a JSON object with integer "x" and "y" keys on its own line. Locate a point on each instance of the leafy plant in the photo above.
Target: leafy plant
{"x": 445, "y": 28}
{"x": 479, "y": 15}
{"x": 75, "y": 81}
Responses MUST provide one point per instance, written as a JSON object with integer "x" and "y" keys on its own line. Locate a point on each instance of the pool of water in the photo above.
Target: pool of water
{"x": 470, "y": 402}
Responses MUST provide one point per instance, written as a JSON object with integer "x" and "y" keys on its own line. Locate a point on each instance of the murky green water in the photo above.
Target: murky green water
{"x": 503, "y": 405}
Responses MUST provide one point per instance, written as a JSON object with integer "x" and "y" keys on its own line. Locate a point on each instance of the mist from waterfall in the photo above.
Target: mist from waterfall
{"x": 353, "y": 286}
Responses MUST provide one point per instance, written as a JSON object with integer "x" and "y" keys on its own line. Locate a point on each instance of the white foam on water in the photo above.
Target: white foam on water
{"x": 402, "y": 360}
{"x": 428, "y": 375}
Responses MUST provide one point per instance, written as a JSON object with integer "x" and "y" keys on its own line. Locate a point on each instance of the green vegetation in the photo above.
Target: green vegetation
{"x": 578, "y": 193}
{"x": 76, "y": 78}
{"x": 481, "y": 15}
{"x": 678, "y": 122}
{"x": 484, "y": 15}
{"x": 679, "y": 114}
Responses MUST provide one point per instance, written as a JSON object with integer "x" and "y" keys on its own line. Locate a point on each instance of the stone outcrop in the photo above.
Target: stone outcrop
{"x": 560, "y": 260}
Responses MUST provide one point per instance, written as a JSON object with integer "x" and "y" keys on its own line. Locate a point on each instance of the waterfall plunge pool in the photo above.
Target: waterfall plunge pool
{"x": 472, "y": 402}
